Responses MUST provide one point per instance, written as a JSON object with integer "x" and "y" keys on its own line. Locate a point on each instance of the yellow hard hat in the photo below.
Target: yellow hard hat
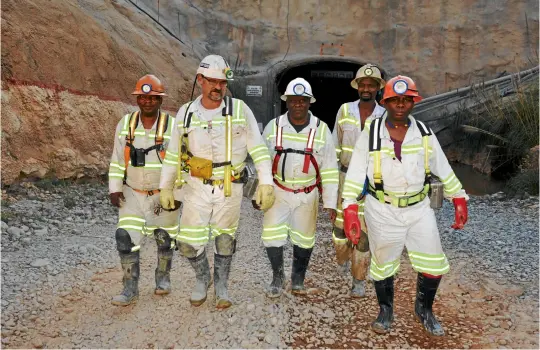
{"x": 368, "y": 71}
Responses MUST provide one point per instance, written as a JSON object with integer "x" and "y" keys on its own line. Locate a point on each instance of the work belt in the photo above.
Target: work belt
{"x": 343, "y": 168}
{"x": 146, "y": 192}
{"x": 240, "y": 179}
{"x": 306, "y": 190}
{"x": 400, "y": 201}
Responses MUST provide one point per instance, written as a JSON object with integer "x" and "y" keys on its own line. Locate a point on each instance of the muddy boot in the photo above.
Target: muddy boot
{"x": 426, "y": 288}
{"x": 385, "y": 296}
{"x": 360, "y": 265}
{"x": 222, "y": 267}
{"x": 275, "y": 254}
{"x": 358, "y": 289}
{"x": 130, "y": 267}
{"x": 163, "y": 272}
{"x": 300, "y": 264}
{"x": 202, "y": 273}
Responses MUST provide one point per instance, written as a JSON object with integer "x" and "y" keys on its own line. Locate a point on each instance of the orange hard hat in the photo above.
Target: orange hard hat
{"x": 149, "y": 85}
{"x": 401, "y": 86}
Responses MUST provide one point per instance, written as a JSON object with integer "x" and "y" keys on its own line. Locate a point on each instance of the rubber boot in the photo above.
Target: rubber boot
{"x": 202, "y": 273}
{"x": 358, "y": 289}
{"x": 163, "y": 272}
{"x": 275, "y": 254}
{"x": 130, "y": 267}
{"x": 300, "y": 264}
{"x": 385, "y": 296}
{"x": 426, "y": 288}
{"x": 222, "y": 267}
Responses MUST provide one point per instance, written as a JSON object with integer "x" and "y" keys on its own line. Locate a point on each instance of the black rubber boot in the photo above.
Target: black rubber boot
{"x": 163, "y": 271}
{"x": 222, "y": 267}
{"x": 426, "y": 288}
{"x": 275, "y": 254}
{"x": 130, "y": 267}
{"x": 385, "y": 296}
{"x": 300, "y": 264}
{"x": 202, "y": 273}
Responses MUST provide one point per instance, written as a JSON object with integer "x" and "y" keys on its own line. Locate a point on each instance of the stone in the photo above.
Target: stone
{"x": 39, "y": 262}
{"x": 41, "y": 232}
{"x": 12, "y": 230}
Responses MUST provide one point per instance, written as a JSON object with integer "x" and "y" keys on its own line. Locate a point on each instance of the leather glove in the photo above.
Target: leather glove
{"x": 117, "y": 198}
{"x": 333, "y": 215}
{"x": 351, "y": 223}
{"x": 460, "y": 206}
{"x": 166, "y": 198}
{"x": 265, "y": 197}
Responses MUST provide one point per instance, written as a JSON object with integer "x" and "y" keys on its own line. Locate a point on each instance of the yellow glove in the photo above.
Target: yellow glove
{"x": 166, "y": 198}
{"x": 265, "y": 196}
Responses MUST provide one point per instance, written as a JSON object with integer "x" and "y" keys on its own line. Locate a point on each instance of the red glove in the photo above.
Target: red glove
{"x": 351, "y": 224}
{"x": 460, "y": 205}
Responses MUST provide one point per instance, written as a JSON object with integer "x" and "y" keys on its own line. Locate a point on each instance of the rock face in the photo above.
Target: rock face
{"x": 441, "y": 44}
{"x": 68, "y": 68}
{"x": 67, "y": 75}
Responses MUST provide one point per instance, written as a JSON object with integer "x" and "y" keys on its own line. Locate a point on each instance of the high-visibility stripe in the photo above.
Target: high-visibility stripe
{"x": 380, "y": 272}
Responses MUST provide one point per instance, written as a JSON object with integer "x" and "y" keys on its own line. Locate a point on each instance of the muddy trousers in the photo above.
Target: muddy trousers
{"x": 359, "y": 255}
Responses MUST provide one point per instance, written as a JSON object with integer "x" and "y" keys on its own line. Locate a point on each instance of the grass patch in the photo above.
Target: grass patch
{"x": 506, "y": 127}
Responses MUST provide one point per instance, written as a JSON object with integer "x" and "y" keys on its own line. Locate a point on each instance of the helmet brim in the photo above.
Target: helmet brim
{"x": 354, "y": 82}
{"x": 311, "y": 99}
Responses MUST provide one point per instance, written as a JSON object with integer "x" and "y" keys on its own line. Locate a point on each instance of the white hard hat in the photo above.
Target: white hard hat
{"x": 298, "y": 87}
{"x": 368, "y": 71}
{"x": 215, "y": 66}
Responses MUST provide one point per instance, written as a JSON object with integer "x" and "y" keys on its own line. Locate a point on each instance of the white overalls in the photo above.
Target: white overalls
{"x": 402, "y": 216}
{"x": 294, "y": 215}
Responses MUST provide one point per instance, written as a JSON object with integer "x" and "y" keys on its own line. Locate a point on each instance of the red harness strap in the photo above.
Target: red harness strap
{"x": 308, "y": 158}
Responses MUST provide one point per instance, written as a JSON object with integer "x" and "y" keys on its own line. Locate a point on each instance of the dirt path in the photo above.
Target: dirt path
{"x": 476, "y": 311}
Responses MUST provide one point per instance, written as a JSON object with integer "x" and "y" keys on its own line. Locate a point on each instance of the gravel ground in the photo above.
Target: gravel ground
{"x": 60, "y": 269}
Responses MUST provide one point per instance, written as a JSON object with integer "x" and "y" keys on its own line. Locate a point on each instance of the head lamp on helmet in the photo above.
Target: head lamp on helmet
{"x": 400, "y": 87}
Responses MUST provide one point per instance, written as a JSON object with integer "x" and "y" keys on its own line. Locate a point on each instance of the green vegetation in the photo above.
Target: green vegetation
{"x": 507, "y": 128}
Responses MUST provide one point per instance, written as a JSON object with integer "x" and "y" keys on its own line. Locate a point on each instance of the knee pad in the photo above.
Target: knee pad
{"x": 225, "y": 244}
{"x": 123, "y": 241}
{"x": 186, "y": 250}
{"x": 163, "y": 239}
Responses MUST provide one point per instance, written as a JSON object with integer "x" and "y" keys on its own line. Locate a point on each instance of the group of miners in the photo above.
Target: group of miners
{"x": 373, "y": 172}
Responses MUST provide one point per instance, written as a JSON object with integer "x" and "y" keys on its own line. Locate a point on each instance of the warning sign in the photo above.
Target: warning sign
{"x": 254, "y": 90}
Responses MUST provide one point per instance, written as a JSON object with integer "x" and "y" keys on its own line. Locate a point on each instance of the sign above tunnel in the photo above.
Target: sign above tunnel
{"x": 254, "y": 90}
{"x": 332, "y": 74}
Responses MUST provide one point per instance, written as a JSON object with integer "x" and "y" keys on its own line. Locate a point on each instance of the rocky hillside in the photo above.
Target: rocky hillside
{"x": 68, "y": 69}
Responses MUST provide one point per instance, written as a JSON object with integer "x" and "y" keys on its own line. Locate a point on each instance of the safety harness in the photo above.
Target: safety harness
{"x": 308, "y": 158}
{"x": 162, "y": 124}
{"x": 186, "y": 155}
{"x": 375, "y": 149}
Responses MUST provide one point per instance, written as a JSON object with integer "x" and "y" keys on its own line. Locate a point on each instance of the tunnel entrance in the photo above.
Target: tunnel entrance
{"x": 330, "y": 81}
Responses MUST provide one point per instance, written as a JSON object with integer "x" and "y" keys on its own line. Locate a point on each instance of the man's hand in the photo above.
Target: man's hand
{"x": 117, "y": 198}
{"x": 265, "y": 197}
{"x": 333, "y": 214}
{"x": 166, "y": 199}
{"x": 351, "y": 223}
{"x": 461, "y": 213}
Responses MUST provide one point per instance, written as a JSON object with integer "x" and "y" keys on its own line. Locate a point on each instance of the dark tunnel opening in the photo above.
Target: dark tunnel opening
{"x": 330, "y": 81}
